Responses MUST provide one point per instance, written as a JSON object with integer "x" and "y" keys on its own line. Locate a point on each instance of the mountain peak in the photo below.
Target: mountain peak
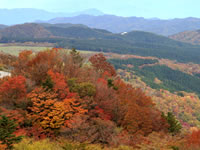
{"x": 92, "y": 11}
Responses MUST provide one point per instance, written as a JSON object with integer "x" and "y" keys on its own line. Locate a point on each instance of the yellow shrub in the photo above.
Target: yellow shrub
{"x": 99, "y": 147}
{"x": 29, "y": 144}
{"x": 94, "y": 147}
{"x": 123, "y": 147}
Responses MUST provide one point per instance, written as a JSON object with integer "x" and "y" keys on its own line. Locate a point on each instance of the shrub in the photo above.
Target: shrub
{"x": 29, "y": 144}
{"x": 72, "y": 146}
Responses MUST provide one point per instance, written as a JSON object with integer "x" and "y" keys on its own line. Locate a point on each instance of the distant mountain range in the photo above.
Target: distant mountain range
{"x": 94, "y": 18}
{"x": 192, "y": 37}
{"x": 84, "y": 38}
{"x": 118, "y": 24}
{"x": 23, "y": 15}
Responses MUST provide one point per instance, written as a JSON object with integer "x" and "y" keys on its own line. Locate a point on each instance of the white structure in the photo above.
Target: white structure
{"x": 124, "y": 33}
{"x": 4, "y": 74}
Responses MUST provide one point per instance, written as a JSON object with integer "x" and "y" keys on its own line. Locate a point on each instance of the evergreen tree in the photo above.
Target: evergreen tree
{"x": 48, "y": 83}
{"x": 174, "y": 124}
{"x": 7, "y": 128}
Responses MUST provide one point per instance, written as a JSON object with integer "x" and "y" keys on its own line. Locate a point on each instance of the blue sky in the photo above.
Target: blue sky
{"x": 140, "y": 8}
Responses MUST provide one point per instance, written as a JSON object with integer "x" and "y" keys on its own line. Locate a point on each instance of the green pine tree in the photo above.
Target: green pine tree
{"x": 174, "y": 124}
{"x": 7, "y": 128}
{"x": 48, "y": 84}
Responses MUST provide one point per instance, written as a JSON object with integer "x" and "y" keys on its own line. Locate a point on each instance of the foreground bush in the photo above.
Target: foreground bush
{"x": 160, "y": 141}
{"x": 28, "y": 144}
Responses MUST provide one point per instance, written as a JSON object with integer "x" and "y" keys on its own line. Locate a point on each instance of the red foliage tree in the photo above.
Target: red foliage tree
{"x": 138, "y": 110}
{"x": 101, "y": 65}
{"x": 60, "y": 85}
{"x": 13, "y": 89}
{"x": 193, "y": 139}
{"x": 20, "y": 66}
{"x": 36, "y": 66}
{"x": 106, "y": 99}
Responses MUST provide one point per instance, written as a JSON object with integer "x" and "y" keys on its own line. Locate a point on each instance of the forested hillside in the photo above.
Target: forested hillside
{"x": 150, "y": 70}
{"x": 82, "y": 103}
{"x": 84, "y": 38}
{"x": 184, "y": 105}
{"x": 172, "y": 87}
{"x": 25, "y": 31}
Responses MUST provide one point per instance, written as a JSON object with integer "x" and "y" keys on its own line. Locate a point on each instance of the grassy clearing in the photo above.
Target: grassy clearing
{"x": 15, "y": 50}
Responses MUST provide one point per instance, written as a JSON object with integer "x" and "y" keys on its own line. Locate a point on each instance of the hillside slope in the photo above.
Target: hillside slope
{"x": 172, "y": 88}
{"x": 192, "y": 37}
{"x": 77, "y": 32}
{"x": 24, "y": 31}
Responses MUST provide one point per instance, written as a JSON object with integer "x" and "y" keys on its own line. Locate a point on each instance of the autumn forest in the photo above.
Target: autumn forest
{"x": 61, "y": 99}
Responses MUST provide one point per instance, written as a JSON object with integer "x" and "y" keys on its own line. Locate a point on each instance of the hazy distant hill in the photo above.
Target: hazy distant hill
{"x": 23, "y": 15}
{"x": 188, "y": 36}
{"x": 118, "y": 24}
{"x": 62, "y": 25}
{"x": 85, "y": 38}
{"x": 2, "y": 26}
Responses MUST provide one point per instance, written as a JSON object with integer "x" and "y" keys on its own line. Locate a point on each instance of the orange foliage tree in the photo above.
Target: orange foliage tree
{"x": 50, "y": 113}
